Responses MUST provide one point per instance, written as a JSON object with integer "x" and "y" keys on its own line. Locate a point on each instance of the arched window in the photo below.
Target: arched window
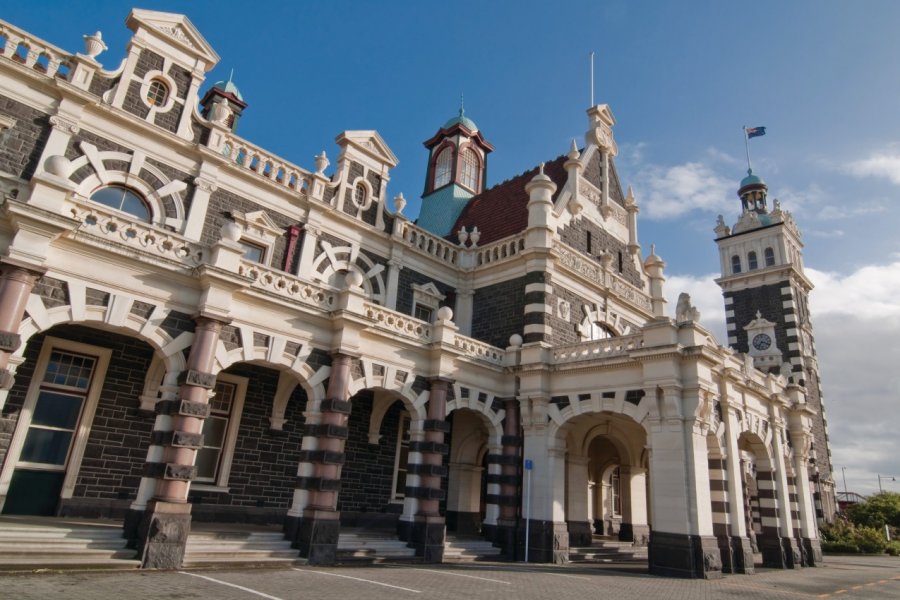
{"x": 124, "y": 199}
{"x": 770, "y": 257}
{"x": 752, "y": 262}
{"x": 468, "y": 170}
{"x": 598, "y": 331}
{"x": 442, "y": 167}
{"x": 735, "y": 264}
{"x": 157, "y": 93}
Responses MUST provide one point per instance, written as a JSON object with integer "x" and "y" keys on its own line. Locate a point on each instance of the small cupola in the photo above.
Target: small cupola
{"x": 457, "y": 171}
{"x": 752, "y": 192}
{"x": 223, "y": 103}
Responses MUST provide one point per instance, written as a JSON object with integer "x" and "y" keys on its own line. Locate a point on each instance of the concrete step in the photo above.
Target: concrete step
{"x": 34, "y": 563}
{"x": 469, "y": 550}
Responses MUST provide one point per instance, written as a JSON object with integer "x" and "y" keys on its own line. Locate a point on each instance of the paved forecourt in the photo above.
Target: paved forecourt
{"x": 842, "y": 577}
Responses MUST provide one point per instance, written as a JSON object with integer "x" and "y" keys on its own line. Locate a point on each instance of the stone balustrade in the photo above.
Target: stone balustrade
{"x": 121, "y": 229}
{"x": 288, "y": 286}
{"x": 478, "y": 350}
{"x": 500, "y": 250}
{"x": 398, "y": 323}
{"x": 428, "y": 243}
{"x": 264, "y": 164}
{"x": 27, "y": 50}
{"x": 598, "y": 349}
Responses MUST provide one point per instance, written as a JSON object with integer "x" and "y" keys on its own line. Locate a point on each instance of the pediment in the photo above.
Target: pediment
{"x": 257, "y": 223}
{"x": 371, "y": 143}
{"x": 176, "y": 28}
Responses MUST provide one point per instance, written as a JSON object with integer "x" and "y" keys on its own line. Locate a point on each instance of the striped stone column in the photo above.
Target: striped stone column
{"x": 316, "y": 533}
{"x": 166, "y": 521}
{"x": 538, "y": 289}
{"x": 429, "y": 529}
{"x": 718, "y": 496}
{"x": 492, "y": 482}
{"x": 770, "y": 518}
{"x": 510, "y": 463}
{"x": 16, "y": 284}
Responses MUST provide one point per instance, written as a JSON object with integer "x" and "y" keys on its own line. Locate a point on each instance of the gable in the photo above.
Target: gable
{"x": 175, "y": 29}
{"x": 371, "y": 143}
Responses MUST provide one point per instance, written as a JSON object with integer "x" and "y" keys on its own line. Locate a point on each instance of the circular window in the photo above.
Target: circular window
{"x": 123, "y": 199}
{"x": 157, "y": 93}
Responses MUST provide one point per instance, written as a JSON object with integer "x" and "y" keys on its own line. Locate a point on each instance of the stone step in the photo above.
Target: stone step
{"x": 33, "y": 563}
{"x": 28, "y": 544}
{"x": 19, "y": 532}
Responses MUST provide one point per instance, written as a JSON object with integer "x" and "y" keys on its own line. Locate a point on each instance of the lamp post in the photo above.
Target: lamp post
{"x": 844, "y": 474}
{"x": 892, "y": 478}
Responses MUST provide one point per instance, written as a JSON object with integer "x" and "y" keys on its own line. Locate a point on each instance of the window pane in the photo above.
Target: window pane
{"x": 122, "y": 199}
{"x": 57, "y": 410}
{"x": 224, "y": 395}
{"x": 442, "y": 167}
{"x": 71, "y": 370}
{"x": 207, "y": 462}
{"x": 252, "y": 252}
{"x": 46, "y": 446}
{"x": 423, "y": 313}
{"x": 214, "y": 431}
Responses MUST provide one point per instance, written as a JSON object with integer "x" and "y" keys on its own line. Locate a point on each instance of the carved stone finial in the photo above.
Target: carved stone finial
{"x": 515, "y": 340}
{"x": 93, "y": 45}
{"x": 353, "y": 279}
{"x": 322, "y": 163}
{"x": 573, "y": 151}
{"x": 445, "y": 313}
{"x": 58, "y": 165}
{"x": 475, "y": 235}
{"x": 220, "y": 112}
{"x": 629, "y": 197}
{"x": 463, "y": 236}
{"x": 399, "y": 203}
{"x": 231, "y": 231}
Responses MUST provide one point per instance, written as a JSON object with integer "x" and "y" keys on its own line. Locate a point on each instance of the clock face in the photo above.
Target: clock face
{"x": 761, "y": 341}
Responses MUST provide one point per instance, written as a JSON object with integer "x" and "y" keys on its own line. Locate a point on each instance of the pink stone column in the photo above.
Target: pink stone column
{"x": 16, "y": 284}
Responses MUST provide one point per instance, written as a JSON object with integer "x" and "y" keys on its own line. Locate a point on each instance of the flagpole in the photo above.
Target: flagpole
{"x": 747, "y": 147}
{"x": 592, "y": 79}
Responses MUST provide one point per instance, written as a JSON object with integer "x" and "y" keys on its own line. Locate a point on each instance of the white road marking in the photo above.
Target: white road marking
{"x": 396, "y": 587}
{"x": 240, "y": 587}
{"x": 462, "y": 575}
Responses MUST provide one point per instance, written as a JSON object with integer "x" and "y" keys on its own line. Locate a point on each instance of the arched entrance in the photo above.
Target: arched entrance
{"x": 466, "y": 480}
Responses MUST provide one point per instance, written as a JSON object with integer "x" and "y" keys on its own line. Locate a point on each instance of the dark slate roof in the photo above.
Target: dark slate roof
{"x": 502, "y": 210}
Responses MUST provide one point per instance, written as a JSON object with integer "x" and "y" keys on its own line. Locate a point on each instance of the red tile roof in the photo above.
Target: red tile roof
{"x": 502, "y": 210}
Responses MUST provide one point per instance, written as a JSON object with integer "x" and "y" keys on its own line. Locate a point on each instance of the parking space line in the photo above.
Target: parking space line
{"x": 396, "y": 587}
{"x": 461, "y": 575}
{"x": 233, "y": 585}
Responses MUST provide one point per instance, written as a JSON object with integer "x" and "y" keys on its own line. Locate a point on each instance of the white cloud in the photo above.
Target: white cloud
{"x": 856, "y": 320}
{"x": 668, "y": 192}
{"x": 885, "y": 164}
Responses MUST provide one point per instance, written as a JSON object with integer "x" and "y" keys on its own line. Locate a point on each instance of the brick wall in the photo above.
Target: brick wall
{"x": 21, "y": 145}
{"x": 405, "y": 281}
{"x": 498, "y": 312}
{"x": 120, "y": 435}
{"x": 367, "y": 475}
{"x": 575, "y": 235}
{"x": 567, "y": 332}
{"x": 264, "y": 467}
{"x": 766, "y": 299}
{"x": 593, "y": 172}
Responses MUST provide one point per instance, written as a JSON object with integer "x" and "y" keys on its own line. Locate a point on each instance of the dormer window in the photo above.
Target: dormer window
{"x": 253, "y": 252}
{"x": 359, "y": 194}
{"x": 468, "y": 170}
{"x": 443, "y": 167}
{"x": 157, "y": 93}
{"x": 123, "y": 199}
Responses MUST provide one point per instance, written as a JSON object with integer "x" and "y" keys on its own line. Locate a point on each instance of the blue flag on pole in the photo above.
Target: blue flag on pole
{"x": 753, "y": 132}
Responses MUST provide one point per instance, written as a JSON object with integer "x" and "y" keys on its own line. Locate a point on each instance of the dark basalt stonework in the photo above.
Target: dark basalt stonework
{"x": 683, "y": 555}
{"x": 163, "y": 534}
{"x": 736, "y": 553}
{"x": 464, "y": 523}
{"x": 428, "y": 535}
{"x": 548, "y": 542}
{"x": 317, "y": 539}
{"x": 580, "y": 533}
{"x": 812, "y": 552}
{"x": 639, "y": 534}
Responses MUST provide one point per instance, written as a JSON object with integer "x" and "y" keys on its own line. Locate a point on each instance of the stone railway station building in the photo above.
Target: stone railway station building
{"x": 194, "y": 329}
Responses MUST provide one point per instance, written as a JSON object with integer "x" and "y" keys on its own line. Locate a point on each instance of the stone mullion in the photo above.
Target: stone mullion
{"x": 16, "y": 284}
{"x": 166, "y": 522}
{"x": 316, "y": 533}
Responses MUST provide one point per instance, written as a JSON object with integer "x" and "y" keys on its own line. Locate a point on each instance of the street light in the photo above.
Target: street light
{"x": 892, "y": 478}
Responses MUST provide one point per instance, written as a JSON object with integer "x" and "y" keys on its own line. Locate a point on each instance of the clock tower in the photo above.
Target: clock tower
{"x": 767, "y": 312}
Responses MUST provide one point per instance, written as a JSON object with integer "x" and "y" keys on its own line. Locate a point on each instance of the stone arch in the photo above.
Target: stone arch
{"x": 164, "y": 197}
{"x": 596, "y": 403}
{"x": 338, "y": 259}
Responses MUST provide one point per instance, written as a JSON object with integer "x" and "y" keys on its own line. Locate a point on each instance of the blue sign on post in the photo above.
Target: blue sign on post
{"x": 529, "y": 464}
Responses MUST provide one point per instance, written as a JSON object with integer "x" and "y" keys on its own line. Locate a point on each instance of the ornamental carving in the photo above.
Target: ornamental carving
{"x": 9, "y": 341}
{"x": 63, "y": 124}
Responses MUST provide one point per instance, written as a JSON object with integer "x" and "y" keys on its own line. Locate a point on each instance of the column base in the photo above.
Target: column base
{"x": 580, "y": 533}
{"x": 779, "y": 552}
{"x": 683, "y": 555}
{"x": 428, "y": 535}
{"x": 548, "y": 542}
{"x": 404, "y": 530}
{"x": 163, "y": 533}
{"x": 317, "y": 536}
{"x": 131, "y": 527}
{"x": 813, "y": 552}
{"x": 506, "y": 537}
{"x": 639, "y": 534}
{"x": 736, "y": 553}
{"x": 489, "y": 532}
{"x": 463, "y": 523}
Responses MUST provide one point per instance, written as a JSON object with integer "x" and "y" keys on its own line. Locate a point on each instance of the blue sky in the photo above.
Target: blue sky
{"x": 681, "y": 78}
